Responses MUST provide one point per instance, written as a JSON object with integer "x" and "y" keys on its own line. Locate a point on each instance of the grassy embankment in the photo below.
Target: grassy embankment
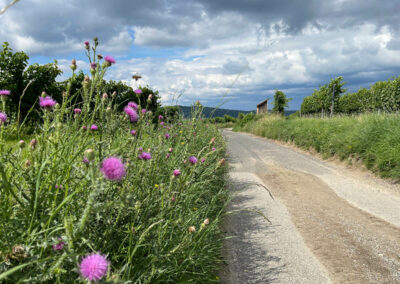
{"x": 372, "y": 138}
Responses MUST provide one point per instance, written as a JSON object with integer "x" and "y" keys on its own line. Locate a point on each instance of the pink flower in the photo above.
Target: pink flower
{"x": 93, "y": 65}
{"x": 133, "y": 132}
{"x": 160, "y": 117}
{"x": 167, "y": 136}
{"x": 192, "y": 160}
{"x": 133, "y": 105}
{"x": 47, "y": 102}
{"x": 113, "y": 169}
{"x": 3, "y": 117}
{"x": 109, "y": 59}
{"x": 202, "y": 160}
{"x": 94, "y": 267}
{"x": 138, "y": 91}
{"x": 86, "y": 161}
{"x": 177, "y": 172}
{"x": 145, "y": 156}
{"x": 213, "y": 148}
{"x": 94, "y": 127}
{"x": 140, "y": 149}
{"x": 170, "y": 150}
{"x": 162, "y": 123}
{"x": 144, "y": 111}
{"x": 167, "y": 156}
{"x": 84, "y": 127}
{"x": 5, "y": 92}
{"x": 131, "y": 113}
{"x": 59, "y": 245}
{"x": 77, "y": 110}
{"x": 86, "y": 43}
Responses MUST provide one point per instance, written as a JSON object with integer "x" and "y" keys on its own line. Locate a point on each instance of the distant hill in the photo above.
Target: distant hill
{"x": 186, "y": 110}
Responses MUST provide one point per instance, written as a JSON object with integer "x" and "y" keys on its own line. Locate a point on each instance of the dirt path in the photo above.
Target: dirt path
{"x": 337, "y": 234}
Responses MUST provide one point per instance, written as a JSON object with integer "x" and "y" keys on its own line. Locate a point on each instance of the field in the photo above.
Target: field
{"x": 95, "y": 193}
{"x": 374, "y": 139}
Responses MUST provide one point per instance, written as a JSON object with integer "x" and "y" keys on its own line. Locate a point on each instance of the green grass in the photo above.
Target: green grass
{"x": 373, "y": 138}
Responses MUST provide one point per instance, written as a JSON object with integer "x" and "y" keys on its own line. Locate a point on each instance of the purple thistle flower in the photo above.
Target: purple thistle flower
{"x": 144, "y": 111}
{"x": 192, "y": 160}
{"x": 86, "y": 43}
{"x": 202, "y": 160}
{"x": 145, "y": 156}
{"x": 5, "y": 92}
{"x": 138, "y": 91}
{"x": 94, "y": 127}
{"x": 168, "y": 155}
{"x": 47, "y": 102}
{"x": 86, "y": 161}
{"x": 93, "y": 65}
{"x": 94, "y": 267}
{"x": 133, "y": 105}
{"x": 109, "y": 59}
{"x": 160, "y": 117}
{"x": 213, "y": 148}
{"x": 133, "y": 132}
{"x": 131, "y": 113}
{"x": 3, "y": 117}
{"x": 177, "y": 172}
{"x": 162, "y": 123}
{"x": 140, "y": 149}
{"x": 58, "y": 246}
{"x": 77, "y": 110}
{"x": 167, "y": 136}
{"x": 113, "y": 169}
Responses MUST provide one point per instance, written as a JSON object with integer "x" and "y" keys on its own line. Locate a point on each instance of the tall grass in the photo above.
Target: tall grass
{"x": 57, "y": 207}
{"x": 373, "y": 138}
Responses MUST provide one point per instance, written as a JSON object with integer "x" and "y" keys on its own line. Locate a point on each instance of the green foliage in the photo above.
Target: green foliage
{"x": 372, "y": 138}
{"x": 229, "y": 118}
{"x": 48, "y": 195}
{"x": 280, "y": 102}
{"x": 321, "y": 99}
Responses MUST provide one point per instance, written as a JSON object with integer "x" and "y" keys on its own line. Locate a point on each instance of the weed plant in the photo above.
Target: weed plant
{"x": 104, "y": 195}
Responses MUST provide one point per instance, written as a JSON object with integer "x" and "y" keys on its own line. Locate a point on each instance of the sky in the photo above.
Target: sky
{"x": 228, "y": 53}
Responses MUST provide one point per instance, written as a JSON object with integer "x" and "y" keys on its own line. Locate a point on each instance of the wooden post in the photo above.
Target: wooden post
{"x": 333, "y": 99}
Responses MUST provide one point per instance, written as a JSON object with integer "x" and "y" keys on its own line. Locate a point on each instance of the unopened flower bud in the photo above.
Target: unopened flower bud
{"x": 108, "y": 109}
{"x": 73, "y": 64}
{"x": 89, "y": 153}
{"x": 114, "y": 94}
{"x": 192, "y": 229}
{"x": 27, "y": 163}
{"x": 44, "y": 94}
{"x": 86, "y": 82}
{"x": 104, "y": 96}
{"x": 33, "y": 143}
{"x": 86, "y": 45}
{"x": 206, "y": 221}
{"x": 21, "y": 143}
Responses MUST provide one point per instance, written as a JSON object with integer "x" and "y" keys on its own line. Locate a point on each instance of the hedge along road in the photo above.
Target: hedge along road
{"x": 329, "y": 224}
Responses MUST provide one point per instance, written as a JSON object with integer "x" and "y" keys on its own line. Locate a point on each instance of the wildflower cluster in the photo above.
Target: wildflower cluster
{"x": 104, "y": 194}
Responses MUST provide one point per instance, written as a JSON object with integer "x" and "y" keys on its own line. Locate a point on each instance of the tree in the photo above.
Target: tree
{"x": 280, "y": 102}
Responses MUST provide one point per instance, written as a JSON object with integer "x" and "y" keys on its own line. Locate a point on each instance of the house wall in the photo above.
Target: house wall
{"x": 262, "y": 109}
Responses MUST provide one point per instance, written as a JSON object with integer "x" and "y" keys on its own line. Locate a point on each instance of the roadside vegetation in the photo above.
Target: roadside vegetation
{"x": 107, "y": 186}
{"x": 365, "y": 125}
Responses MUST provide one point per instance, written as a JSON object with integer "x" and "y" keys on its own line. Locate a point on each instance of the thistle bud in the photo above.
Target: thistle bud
{"x": 192, "y": 229}
{"x": 27, "y": 163}
{"x": 86, "y": 45}
{"x": 104, "y": 96}
{"x": 108, "y": 109}
{"x": 86, "y": 82}
{"x": 73, "y": 64}
{"x": 43, "y": 95}
{"x": 33, "y": 143}
{"x": 206, "y": 221}
{"x": 114, "y": 94}
{"x": 89, "y": 154}
{"x": 21, "y": 143}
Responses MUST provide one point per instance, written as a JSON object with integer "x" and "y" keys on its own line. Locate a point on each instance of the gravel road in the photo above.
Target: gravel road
{"x": 329, "y": 224}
